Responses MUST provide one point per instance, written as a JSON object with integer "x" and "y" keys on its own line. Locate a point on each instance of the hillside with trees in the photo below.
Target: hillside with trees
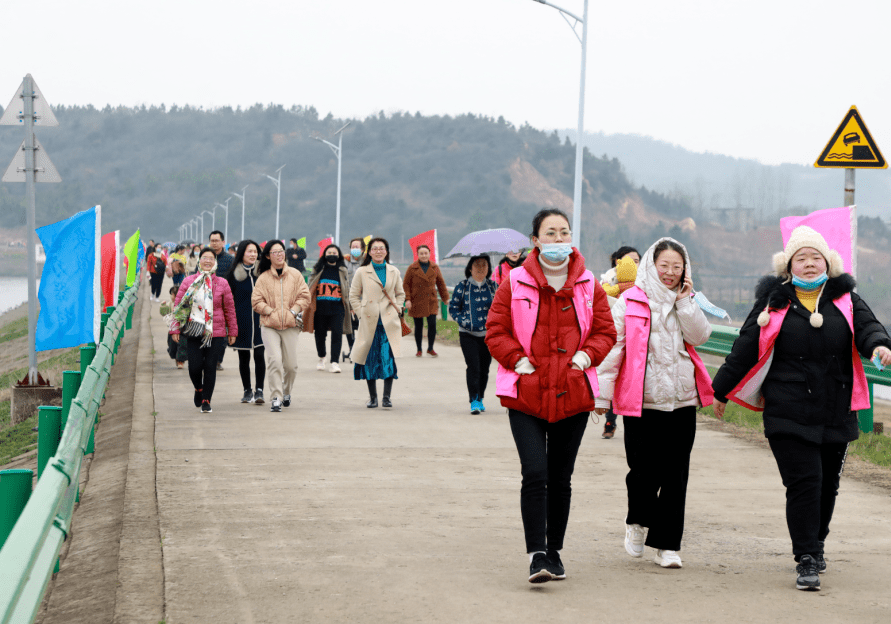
{"x": 157, "y": 167}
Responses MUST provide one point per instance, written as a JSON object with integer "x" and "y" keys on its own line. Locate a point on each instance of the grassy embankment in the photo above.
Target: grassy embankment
{"x": 18, "y": 439}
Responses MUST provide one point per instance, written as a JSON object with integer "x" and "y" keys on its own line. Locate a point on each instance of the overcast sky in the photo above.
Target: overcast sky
{"x": 764, "y": 79}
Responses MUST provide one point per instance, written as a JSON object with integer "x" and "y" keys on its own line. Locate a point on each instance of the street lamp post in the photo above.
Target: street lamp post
{"x": 338, "y": 151}
{"x": 226, "y": 226}
{"x": 193, "y": 228}
{"x": 212, "y": 222}
{"x": 201, "y": 231}
{"x": 577, "y": 196}
{"x": 241, "y": 197}
{"x": 278, "y": 202}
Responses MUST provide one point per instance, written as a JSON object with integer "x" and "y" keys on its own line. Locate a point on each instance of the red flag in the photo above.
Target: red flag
{"x": 425, "y": 238}
{"x": 111, "y": 250}
{"x": 324, "y": 243}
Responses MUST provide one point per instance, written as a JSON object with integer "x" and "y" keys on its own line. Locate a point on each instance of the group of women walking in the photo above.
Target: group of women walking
{"x": 564, "y": 349}
{"x": 563, "y": 352}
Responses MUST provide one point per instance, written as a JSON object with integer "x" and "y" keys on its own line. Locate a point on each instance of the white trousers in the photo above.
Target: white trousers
{"x": 281, "y": 360}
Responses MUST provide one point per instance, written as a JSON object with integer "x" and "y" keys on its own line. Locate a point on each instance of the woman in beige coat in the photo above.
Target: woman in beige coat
{"x": 376, "y": 297}
{"x": 280, "y": 296}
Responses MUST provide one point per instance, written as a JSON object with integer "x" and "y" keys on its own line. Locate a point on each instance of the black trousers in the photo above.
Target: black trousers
{"x": 352, "y": 337}
{"x": 657, "y": 449}
{"x": 431, "y": 331}
{"x": 244, "y": 366}
{"x": 811, "y": 474}
{"x": 547, "y": 459}
{"x": 203, "y": 363}
{"x": 478, "y": 360}
{"x": 156, "y": 280}
{"x": 322, "y": 324}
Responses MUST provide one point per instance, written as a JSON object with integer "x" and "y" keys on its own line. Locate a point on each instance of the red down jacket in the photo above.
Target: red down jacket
{"x": 555, "y": 390}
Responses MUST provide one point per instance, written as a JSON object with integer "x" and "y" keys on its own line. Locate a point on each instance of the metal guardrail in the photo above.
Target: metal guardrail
{"x": 29, "y": 556}
{"x": 721, "y": 342}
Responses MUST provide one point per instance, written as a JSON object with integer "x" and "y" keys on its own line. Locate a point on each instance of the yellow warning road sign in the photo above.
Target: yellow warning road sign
{"x": 852, "y": 147}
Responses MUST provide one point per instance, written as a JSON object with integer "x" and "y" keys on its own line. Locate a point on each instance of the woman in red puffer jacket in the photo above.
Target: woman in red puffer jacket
{"x": 548, "y": 327}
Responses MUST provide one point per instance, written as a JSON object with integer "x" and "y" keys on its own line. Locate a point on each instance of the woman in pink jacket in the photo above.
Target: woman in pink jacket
{"x": 205, "y": 314}
{"x": 656, "y": 380}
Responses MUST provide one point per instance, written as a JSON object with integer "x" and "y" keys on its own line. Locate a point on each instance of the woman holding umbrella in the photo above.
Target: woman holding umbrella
{"x": 469, "y": 306}
{"x": 422, "y": 279}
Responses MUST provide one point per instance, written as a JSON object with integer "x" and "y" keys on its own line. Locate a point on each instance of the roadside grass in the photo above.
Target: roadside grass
{"x": 13, "y": 330}
{"x": 446, "y": 331}
{"x": 67, "y": 360}
{"x": 15, "y": 440}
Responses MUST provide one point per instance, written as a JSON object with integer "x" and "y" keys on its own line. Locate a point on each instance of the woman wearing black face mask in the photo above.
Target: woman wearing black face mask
{"x": 330, "y": 306}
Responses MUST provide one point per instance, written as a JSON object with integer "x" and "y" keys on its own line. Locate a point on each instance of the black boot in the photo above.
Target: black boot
{"x": 388, "y": 387}
{"x": 372, "y": 392}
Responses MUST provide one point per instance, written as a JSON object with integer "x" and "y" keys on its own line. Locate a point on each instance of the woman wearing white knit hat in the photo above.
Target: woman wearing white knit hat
{"x": 796, "y": 359}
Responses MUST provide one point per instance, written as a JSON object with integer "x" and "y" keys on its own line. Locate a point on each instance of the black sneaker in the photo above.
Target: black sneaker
{"x": 205, "y": 407}
{"x": 286, "y": 402}
{"x": 248, "y": 397}
{"x": 808, "y": 577}
{"x": 555, "y": 565}
{"x": 258, "y": 396}
{"x": 198, "y": 398}
{"x": 276, "y": 406}
{"x": 538, "y": 569}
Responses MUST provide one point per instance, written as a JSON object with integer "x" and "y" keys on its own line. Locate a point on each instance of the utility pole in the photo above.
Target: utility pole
{"x": 338, "y": 151}
{"x": 30, "y": 165}
{"x": 278, "y": 202}
{"x": 241, "y": 197}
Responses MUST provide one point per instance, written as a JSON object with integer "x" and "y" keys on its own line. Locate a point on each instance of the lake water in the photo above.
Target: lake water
{"x": 13, "y": 292}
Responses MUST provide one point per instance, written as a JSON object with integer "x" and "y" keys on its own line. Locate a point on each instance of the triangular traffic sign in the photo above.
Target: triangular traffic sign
{"x": 43, "y": 114}
{"x": 46, "y": 171}
{"x": 852, "y": 147}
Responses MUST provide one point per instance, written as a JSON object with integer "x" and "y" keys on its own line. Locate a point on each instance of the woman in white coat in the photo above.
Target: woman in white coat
{"x": 376, "y": 297}
{"x": 656, "y": 380}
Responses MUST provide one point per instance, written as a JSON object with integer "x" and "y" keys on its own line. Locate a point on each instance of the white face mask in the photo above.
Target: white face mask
{"x": 556, "y": 252}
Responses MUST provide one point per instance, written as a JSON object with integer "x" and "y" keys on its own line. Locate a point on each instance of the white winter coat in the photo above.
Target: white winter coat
{"x": 669, "y": 382}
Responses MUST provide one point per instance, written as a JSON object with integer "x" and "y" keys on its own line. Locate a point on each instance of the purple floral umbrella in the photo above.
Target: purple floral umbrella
{"x": 499, "y": 240}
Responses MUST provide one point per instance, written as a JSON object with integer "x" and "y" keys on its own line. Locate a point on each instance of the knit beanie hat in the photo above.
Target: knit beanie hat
{"x": 801, "y": 237}
{"x": 626, "y": 274}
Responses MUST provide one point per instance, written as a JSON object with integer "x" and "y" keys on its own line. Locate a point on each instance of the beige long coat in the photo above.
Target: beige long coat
{"x": 369, "y": 304}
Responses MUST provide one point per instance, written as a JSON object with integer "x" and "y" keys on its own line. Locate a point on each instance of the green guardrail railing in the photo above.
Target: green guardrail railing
{"x": 723, "y": 337}
{"x": 31, "y": 551}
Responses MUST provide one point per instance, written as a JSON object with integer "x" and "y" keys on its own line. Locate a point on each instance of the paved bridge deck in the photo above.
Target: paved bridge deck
{"x": 331, "y": 512}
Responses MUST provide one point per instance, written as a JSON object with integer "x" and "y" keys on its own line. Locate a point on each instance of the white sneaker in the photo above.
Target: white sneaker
{"x": 321, "y": 364}
{"x": 335, "y": 367}
{"x": 668, "y": 559}
{"x": 634, "y": 540}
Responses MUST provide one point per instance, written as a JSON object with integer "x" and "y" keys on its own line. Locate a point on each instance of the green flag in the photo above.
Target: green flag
{"x": 131, "y": 252}
{"x": 301, "y": 242}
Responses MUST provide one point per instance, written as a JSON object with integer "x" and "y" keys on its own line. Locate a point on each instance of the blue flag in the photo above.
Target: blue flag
{"x": 70, "y": 284}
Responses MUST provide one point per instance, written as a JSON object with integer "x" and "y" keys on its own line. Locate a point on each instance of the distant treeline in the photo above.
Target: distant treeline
{"x": 157, "y": 167}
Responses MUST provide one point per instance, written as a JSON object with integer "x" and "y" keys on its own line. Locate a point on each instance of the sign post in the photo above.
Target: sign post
{"x": 30, "y": 165}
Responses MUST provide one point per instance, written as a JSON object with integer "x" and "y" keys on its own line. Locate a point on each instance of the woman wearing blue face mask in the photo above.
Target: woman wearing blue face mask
{"x": 548, "y": 327}
{"x": 353, "y": 261}
{"x": 797, "y": 359}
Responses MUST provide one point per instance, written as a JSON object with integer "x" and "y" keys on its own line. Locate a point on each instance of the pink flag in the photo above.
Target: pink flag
{"x": 324, "y": 243}
{"x": 111, "y": 262}
{"x": 425, "y": 238}
{"x": 835, "y": 226}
